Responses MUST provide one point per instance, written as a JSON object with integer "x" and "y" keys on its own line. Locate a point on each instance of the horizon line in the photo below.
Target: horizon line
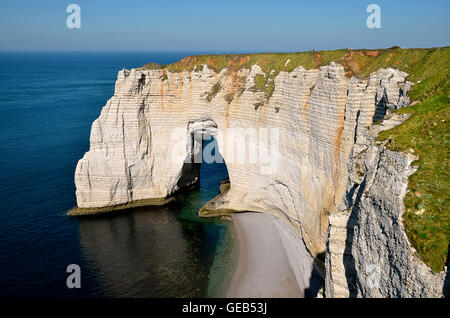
{"x": 218, "y": 52}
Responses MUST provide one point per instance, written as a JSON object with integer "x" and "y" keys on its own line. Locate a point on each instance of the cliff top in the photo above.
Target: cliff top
{"x": 418, "y": 63}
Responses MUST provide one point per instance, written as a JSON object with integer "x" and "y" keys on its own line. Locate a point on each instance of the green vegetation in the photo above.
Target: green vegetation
{"x": 426, "y": 132}
{"x": 151, "y": 66}
{"x": 427, "y": 203}
{"x": 422, "y": 64}
{"x": 355, "y": 62}
{"x": 213, "y": 92}
{"x": 265, "y": 83}
{"x": 258, "y": 105}
{"x": 240, "y": 91}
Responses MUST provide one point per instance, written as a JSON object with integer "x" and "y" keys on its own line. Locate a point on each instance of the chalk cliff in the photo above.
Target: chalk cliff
{"x": 368, "y": 252}
{"x": 320, "y": 120}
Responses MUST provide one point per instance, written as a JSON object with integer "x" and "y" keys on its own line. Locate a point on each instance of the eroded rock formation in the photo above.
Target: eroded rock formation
{"x": 368, "y": 252}
{"x": 322, "y": 119}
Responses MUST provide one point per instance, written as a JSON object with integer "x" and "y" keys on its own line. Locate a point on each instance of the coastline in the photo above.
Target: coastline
{"x": 264, "y": 268}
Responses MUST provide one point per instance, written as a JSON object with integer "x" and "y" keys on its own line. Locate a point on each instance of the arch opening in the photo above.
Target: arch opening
{"x": 204, "y": 167}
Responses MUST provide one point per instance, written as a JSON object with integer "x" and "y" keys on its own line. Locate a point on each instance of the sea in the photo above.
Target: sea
{"x": 48, "y": 101}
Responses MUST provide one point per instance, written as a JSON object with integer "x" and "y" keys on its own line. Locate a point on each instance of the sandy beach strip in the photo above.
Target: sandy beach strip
{"x": 264, "y": 268}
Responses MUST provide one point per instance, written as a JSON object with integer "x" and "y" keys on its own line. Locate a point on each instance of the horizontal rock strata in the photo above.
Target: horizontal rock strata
{"x": 315, "y": 112}
{"x": 368, "y": 252}
{"x": 316, "y": 122}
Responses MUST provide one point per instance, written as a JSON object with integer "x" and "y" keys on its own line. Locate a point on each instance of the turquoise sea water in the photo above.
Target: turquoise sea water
{"x": 47, "y": 104}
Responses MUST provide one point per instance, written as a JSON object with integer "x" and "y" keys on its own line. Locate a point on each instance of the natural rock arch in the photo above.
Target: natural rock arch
{"x": 314, "y": 111}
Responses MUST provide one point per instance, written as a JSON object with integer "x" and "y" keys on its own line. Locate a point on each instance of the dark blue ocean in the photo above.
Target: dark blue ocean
{"x": 47, "y": 104}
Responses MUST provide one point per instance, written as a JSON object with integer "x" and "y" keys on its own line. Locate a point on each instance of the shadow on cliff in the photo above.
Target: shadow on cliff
{"x": 190, "y": 171}
{"x": 446, "y": 290}
{"x": 349, "y": 261}
{"x": 189, "y": 175}
{"x": 316, "y": 282}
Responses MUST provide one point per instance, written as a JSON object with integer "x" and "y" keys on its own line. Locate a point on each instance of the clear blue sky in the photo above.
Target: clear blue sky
{"x": 220, "y": 26}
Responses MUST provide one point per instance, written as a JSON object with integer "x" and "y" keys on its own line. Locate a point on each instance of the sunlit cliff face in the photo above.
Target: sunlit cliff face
{"x": 310, "y": 121}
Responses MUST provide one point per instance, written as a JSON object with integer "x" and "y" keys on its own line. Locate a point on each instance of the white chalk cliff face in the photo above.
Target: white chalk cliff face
{"x": 321, "y": 118}
{"x": 368, "y": 252}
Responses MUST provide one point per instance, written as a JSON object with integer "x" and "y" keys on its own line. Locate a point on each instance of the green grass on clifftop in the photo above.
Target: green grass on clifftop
{"x": 428, "y": 65}
{"x": 427, "y": 203}
{"x": 426, "y": 133}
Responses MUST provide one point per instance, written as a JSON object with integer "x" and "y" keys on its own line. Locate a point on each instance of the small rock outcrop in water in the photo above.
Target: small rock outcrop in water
{"x": 323, "y": 119}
